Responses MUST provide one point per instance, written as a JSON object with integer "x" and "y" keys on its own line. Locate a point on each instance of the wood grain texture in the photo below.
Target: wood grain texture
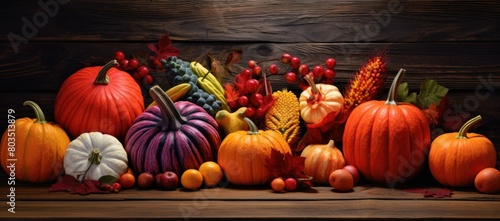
{"x": 34, "y": 202}
{"x": 258, "y": 21}
{"x": 44, "y": 66}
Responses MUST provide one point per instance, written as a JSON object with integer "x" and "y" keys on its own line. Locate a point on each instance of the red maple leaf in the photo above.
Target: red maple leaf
{"x": 232, "y": 94}
{"x": 163, "y": 49}
{"x": 286, "y": 165}
{"x": 70, "y": 184}
{"x": 234, "y": 57}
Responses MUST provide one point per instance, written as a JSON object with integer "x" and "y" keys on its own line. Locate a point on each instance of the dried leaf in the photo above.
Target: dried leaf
{"x": 163, "y": 49}
{"x": 285, "y": 165}
{"x": 70, "y": 184}
{"x": 231, "y": 93}
{"x": 438, "y": 193}
{"x": 234, "y": 57}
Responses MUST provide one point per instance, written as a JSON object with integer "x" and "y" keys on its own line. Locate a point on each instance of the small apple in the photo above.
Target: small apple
{"x": 354, "y": 172}
{"x": 290, "y": 184}
{"x": 145, "y": 180}
{"x": 168, "y": 180}
{"x": 341, "y": 180}
{"x": 278, "y": 185}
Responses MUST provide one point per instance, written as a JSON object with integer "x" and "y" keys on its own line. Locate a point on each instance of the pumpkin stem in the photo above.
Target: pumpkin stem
{"x": 314, "y": 88}
{"x": 391, "y": 98}
{"x": 40, "y": 117}
{"x": 253, "y": 130}
{"x": 95, "y": 157}
{"x": 331, "y": 144}
{"x": 169, "y": 111}
{"x": 462, "y": 133}
{"x": 102, "y": 78}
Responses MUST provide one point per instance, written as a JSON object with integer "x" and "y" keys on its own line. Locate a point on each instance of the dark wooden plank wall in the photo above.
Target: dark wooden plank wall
{"x": 454, "y": 42}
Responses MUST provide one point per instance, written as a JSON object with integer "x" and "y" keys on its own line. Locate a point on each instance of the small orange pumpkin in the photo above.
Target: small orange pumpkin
{"x": 37, "y": 146}
{"x": 321, "y": 161}
{"x": 456, "y": 158}
{"x": 319, "y": 100}
{"x": 242, "y": 154}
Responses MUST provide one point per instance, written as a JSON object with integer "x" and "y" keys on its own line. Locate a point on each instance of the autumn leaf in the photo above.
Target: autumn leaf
{"x": 231, "y": 93}
{"x": 432, "y": 114}
{"x": 234, "y": 57}
{"x": 285, "y": 165}
{"x": 163, "y": 49}
{"x": 68, "y": 183}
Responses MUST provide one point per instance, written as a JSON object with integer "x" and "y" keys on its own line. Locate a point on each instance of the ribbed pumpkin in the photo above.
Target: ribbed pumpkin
{"x": 37, "y": 146}
{"x": 456, "y": 158}
{"x": 319, "y": 100}
{"x": 94, "y": 155}
{"x": 387, "y": 141}
{"x": 242, "y": 154}
{"x": 321, "y": 161}
{"x": 171, "y": 136}
{"x": 103, "y": 99}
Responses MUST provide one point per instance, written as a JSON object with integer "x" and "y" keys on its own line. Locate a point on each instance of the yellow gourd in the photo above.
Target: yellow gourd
{"x": 232, "y": 122}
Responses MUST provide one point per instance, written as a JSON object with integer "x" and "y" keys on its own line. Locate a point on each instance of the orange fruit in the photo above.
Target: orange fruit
{"x": 488, "y": 180}
{"x": 127, "y": 180}
{"x": 278, "y": 184}
{"x": 191, "y": 179}
{"x": 211, "y": 172}
{"x": 341, "y": 180}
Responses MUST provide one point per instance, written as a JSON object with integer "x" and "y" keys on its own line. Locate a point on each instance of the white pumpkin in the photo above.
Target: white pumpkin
{"x": 95, "y": 155}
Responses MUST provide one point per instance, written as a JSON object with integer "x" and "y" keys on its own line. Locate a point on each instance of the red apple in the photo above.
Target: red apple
{"x": 168, "y": 180}
{"x": 354, "y": 172}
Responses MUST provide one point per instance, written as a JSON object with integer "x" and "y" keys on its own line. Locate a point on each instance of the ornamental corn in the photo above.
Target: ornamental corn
{"x": 366, "y": 84}
{"x": 284, "y": 115}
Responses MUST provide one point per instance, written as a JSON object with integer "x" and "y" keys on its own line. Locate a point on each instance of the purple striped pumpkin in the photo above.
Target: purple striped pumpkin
{"x": 171, "y": 137}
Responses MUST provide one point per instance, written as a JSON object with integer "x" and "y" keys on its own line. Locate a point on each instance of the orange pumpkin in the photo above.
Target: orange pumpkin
{"x": 98, "y": 99}
{"x": 319, "y": 100}
{"x": 33, "y": 148}
{"x": 387, "y": 141}
{"x": 321, "y": 161}
{"x": 242, "y": 154}
{"x": 456, "y": 158}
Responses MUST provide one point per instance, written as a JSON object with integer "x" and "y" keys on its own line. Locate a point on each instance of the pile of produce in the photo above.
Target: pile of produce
{"x": 201, "y": 131}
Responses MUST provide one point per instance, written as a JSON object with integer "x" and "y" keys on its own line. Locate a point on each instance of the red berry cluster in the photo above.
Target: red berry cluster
{"x": 251, "y": 86}
{"x": 139, "y": 72}
{"x": 299, "y": 71}
{"x": 114, "y": 188}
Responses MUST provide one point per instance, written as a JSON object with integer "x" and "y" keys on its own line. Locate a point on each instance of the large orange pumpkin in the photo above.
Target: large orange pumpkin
{"x": 33, "y": 149}
{"x": 242, "y": 154}
{"x": 456, "y": 158}
{"x": 99, "y": 99}
{"x": 387, "y": 141}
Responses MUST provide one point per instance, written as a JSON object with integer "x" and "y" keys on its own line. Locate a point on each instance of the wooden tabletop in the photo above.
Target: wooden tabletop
{"x": 34, "y": 202}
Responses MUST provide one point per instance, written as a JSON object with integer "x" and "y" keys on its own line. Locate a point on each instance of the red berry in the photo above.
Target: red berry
{"x": 119, "y": 56}
{"x": 303, "y": 69}
{"x": 132, "y": 64}
{"x": 257, "y": 99}
{"x": 243, "y": 101}
{"x": 136, "y": 76}
{"x": 105, "y": 186}
{"x": 318, "y": 71}
{"x": 290, "y": 184}
{"x": 232, "y": 104}
{"x": 285, "y": 58}
{"x": 143, "y": 71}
{"x": 273, "y": 69}
{"x": 291, "y": 77}
{"x": 251, "y": 85}
{"x": 260, "y": 112}
{"x": 295, "y": 62}
{"x": 246, "y": 74}
{"x": 329, "y": 73}
{"x": 303, "y": 84}
{"x": 330, "y": 63}
{"x": 149, "y": 79}
{"x": 124, "y": 64}
{"x": 250, "y": 112}
{"x": 116, "y": 187}
{"x": 257, "y": 70}
{"x": 251, "y": 64}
